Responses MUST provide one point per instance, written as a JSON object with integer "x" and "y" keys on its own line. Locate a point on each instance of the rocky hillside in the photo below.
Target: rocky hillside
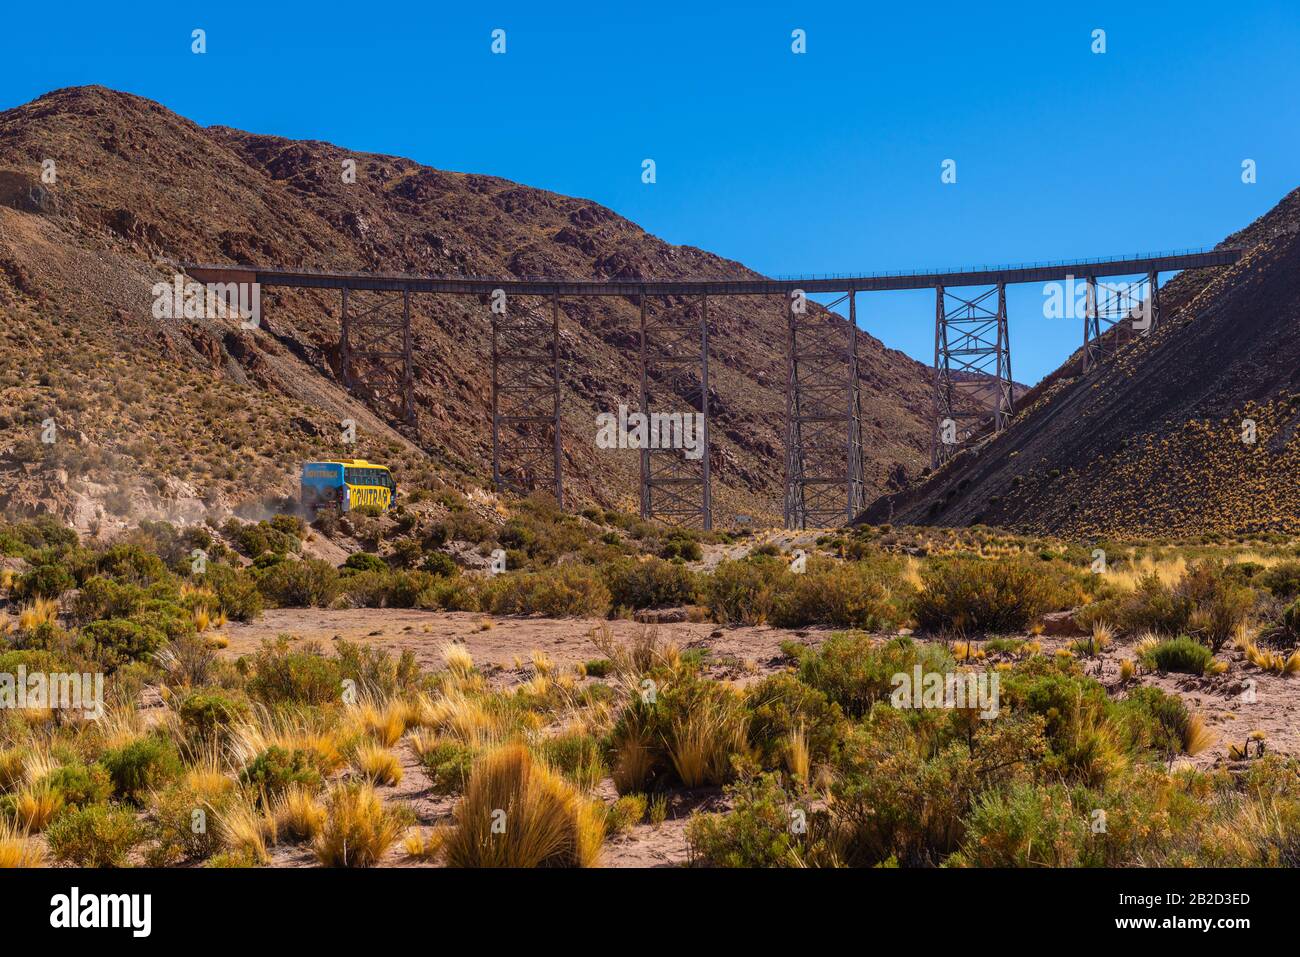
{"x": 172, "y": 417}
{"x": 1156, "y": 442}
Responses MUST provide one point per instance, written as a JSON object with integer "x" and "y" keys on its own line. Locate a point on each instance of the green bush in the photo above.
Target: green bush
{"x": 237, "y": 592}
{"x": 841, "y": 595}
{"x": 80, "y": 785}
{"x": 649, "y": 584}
{"x": 988, "y": 596}
{"x": 279, "y": 674}
{"x": 142, "y": 766}
{"x": 447, "y": 765}
{"x": 855, "y": 672}
{"x": 440, "y": 565}
{"x": 1179, "y": 654}
{"x": 745, "y": 591}
{"x": 276, "y": 769}
{"x": 1024, "y": 826}
{"x": 43, "y": 581}
{"x": 94, "y": 836}
{"x": 309, "y": 583}
{"x": 567, "y": 591}
{"x": 365, "y": 562}
{"x": 756, "y": 832}
{"x": 780, "y": 705}
{"x": 208, "y": 712}
{"x": 120, "y": 640}
{"x": 367, "y": 589}
{"x": 1282, "y": 580}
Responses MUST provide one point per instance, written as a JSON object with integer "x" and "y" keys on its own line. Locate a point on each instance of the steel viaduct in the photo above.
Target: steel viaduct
{"x": 823, "y": 444}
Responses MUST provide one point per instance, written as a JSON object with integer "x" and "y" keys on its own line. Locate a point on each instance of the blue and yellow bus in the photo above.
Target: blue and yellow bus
{"x": 346, "y": 484}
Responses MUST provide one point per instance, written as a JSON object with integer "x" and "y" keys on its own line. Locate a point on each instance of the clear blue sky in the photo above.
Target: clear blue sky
{"x": 822, "y": 162}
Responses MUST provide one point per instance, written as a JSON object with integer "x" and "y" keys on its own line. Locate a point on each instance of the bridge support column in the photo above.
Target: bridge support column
{"x": 675, "y": 467}
{"x": 375, "y": 349}
{"x": 973, "y": 388}
{"x": 527, "y": 451}
{"x": 1153, "y": 300}
{"x": 823, "y": 431}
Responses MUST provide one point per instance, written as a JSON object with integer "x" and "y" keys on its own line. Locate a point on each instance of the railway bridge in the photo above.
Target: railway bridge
{"x": 972, "y": 384}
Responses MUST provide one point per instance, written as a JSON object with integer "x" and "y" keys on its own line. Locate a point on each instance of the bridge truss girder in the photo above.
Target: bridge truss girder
{"x": 823, "y": 416}
{"x": 527, "y": 452}
{"x": 674, "y": 347}
{"x": 1115, "y": 312}
{"x": 375, "y": 349}
{"x": 972, "y": 360}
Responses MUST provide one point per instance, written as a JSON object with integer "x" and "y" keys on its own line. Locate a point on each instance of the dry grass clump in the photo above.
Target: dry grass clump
{"x": 1197, "y": 737}
{"x": 247, "y": 829}
{"x": 377, "y": 764}
{"x": 517, "y": 812}
{"x": 425, "y": 845}
{"x": 17, "y": 849}
{"x": 41, "y": 611}
{"x": 291, "y": 731}
{"x": 299, "y": 816}
{"x": 358, "y": 828}
{"x": 1273, "y": 661}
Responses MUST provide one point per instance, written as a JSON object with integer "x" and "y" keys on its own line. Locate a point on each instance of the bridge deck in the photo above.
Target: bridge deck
{"x": 479, "y": 285}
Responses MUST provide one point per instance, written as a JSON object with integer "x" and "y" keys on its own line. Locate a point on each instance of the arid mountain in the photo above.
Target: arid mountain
{"x": 1157, "y": 442}
{"x": 174, "y": 417}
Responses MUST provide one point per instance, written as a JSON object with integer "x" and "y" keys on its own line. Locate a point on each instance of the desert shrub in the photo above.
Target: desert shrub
{"x": 1290, "y": 620}
{"x": 276, "y": 769}
{"x": 43, "y": 581}
{"x": 568, "y": 591}
{"x": 309, "y": 583}
{"x": 173, "y": 827}
{"x": 1282, "y": 580}
{"x": 756, "y": 832}
{"x": 413, "y": 589}
{"x": 901, "y": 797}
{"x": 80, "y": 785}
{"x": 1024, "y": 826}
{"x": 781, "y": 706}
{"x": 548, "y": 821}
{"x": 680, "y": 544}
{"x": 855, "y": 672}
{"x": 279, "y": 673}
{"x": 94, "y": 836}
{"x": 238, "y": 596}
{"x": 576, "y": 755}
{"x": 447, "y": 764}
{"x": 842, "y": 595}
{"x": 358, "y": 828}
{"x": 367, "y": 589}
{"x": 440, "y": 565}
{"x": 143, "y": 765}
{"x": 1219, "y": 605}
{"x": 374, "y": 670}
{"x": 984, "y": 596}
{"x": 364, "y": 562}
{"x": 1178, "y": 654}
{"x": 207, "y": 713}
{"x": 101, "y": 597}
{"x": 649, "y": 584}
{"x": 704, "y": 726}
{"x": 132, "y": 564}
{"x": 276, "y": 537}
{"x": 119, "y": 640}
{"x": 745, "y": 591}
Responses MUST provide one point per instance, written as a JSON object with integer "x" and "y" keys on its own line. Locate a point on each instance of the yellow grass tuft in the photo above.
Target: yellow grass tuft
{"x": 248, "y": 829}
{"x": 378, "y": 765}
{"x": 298, "y": 814}
{"x": 358, "y": 828}
{"x": 42, "y": 611}
{"x": 459, "y": 661}
{"x": 35, "y": 807}
{"x": 1196, "y": 736}
{"x": 519, "y": 813}
{"x": 798, "y": 760}
{"x": 425, "y": 845}
{"x": 17, "y": 849}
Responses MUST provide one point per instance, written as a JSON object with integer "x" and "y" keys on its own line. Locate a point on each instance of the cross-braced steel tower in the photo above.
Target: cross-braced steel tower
{"x": 972, "y": 368}
{"x": 527, "y": 454}
{"x": 1115, "y": 312}
{"x": 675, "y": 480}
{"x": 375, "y": 349}
{"x": 823, "y": 415}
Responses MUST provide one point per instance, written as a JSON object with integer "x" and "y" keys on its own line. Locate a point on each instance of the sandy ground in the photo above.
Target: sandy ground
{"x": 495, "y": 642}
{"x": 741, "y": 654}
